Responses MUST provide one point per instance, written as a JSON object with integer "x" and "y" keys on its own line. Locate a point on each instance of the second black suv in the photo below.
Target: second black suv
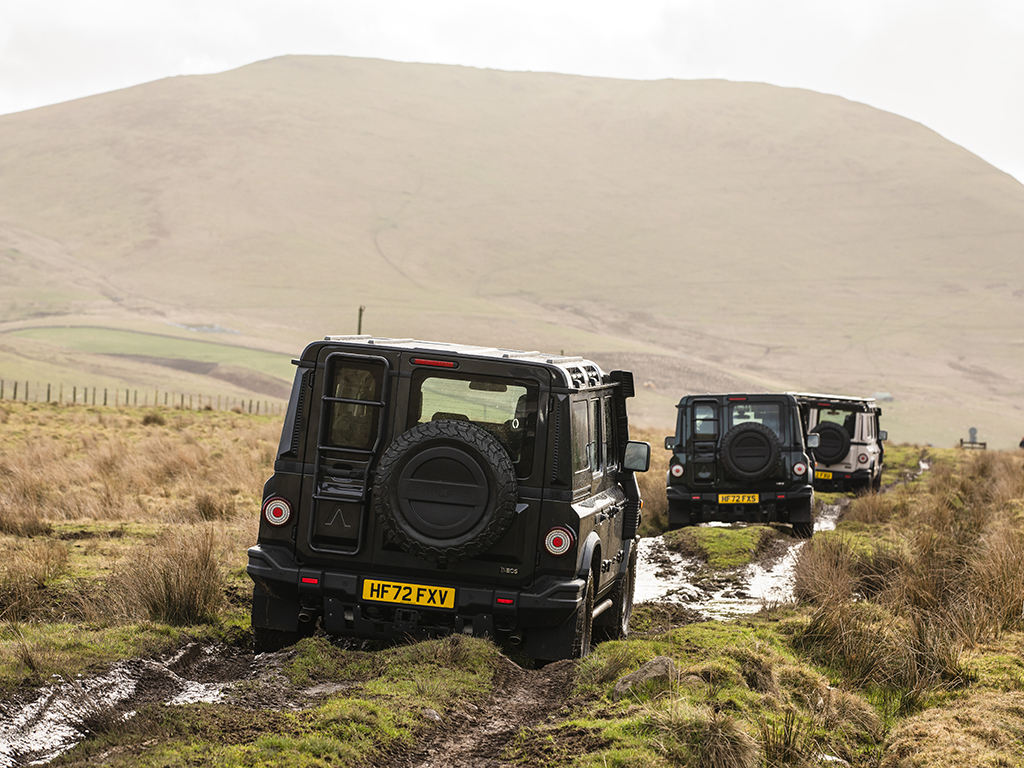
{"x": 425, "y": 488}
{"x": 740, "y": 458}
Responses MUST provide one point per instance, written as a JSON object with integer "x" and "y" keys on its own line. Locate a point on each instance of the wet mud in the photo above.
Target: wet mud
{"x": 42, "y": 724}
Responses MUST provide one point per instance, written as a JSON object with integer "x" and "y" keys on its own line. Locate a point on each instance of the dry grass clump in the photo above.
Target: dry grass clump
{"x": 872, "y": 508}
{"x": 985, "y": 729}
{"x": 178, "y": 581}
{"x": 702, "y": 737}
{"x": 26, "y": 571}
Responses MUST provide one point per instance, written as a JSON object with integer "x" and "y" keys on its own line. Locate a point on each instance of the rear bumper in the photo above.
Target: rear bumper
{"x": 287, "y": 593}
{"x": 842, "y": 480}
{"x": 687, "y": 507}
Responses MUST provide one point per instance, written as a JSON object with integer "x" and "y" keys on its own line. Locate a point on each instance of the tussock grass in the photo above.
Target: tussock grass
{"x": 702, "y": 737}
{"x": 26, "y": 572}
{"x": 908, "y": 587}
{"x": 179, "y": 581}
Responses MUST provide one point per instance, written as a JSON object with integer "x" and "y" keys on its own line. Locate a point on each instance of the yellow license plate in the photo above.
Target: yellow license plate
{"x": 737, "y": 498}
{"x": 409, "y": 594}
{"x": 822, "y": 475}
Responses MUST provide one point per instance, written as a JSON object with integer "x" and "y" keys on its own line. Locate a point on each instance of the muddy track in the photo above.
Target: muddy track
{"x": 476, "y": 736}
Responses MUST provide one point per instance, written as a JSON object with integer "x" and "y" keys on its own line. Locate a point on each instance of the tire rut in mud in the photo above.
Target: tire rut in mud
{"x": 476, "y": 736}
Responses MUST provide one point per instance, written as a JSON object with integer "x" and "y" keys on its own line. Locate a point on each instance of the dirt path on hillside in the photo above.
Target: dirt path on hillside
{"x": 476, "y": 737}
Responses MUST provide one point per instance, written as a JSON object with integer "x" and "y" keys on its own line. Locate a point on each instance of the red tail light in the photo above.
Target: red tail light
{"x": 559, "y": 541}
{"x": 277, "y": 511}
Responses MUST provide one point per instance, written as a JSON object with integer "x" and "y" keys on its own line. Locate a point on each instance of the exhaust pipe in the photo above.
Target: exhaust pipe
{"x": 516, "y": 638}
{"x": 306, "y": 616}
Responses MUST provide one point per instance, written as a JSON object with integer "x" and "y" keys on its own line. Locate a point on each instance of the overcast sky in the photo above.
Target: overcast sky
{"x": 955, "y": 65}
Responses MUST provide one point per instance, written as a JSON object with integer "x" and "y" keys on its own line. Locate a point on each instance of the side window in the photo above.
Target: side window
{"x": 610, "y": 459}
{"x": 705, "y": 419}
{"x": 583, "y": 459}
{"x": 580, "y": 437}
{"x": 598, "y": 458}
{"x": 352, "y": 400}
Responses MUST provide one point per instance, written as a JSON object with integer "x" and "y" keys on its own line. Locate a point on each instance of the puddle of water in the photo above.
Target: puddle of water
{"x": 664, "y": 576}
{"x": 52, "y": 724}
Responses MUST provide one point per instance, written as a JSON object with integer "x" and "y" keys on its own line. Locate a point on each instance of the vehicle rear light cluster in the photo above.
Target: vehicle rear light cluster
{"x": 277, "y": 511}
{"x": 863, "y": 458}
{"x": 559, "y": 541}
{"x": 677, "y": 470}
{"x": 799, "y": 468}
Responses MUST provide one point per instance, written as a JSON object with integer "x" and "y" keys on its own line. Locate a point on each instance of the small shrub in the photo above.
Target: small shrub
{"x": 153, "y": 417}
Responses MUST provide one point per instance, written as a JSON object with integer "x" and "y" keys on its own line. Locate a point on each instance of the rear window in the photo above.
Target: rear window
{"x": 507, "y": 408}
{"x": 352, "y": 398}
{"x": 769, "y": 414}
{"x": 846, "y": 419}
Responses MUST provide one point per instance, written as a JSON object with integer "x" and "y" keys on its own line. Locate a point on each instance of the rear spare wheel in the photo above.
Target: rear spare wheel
{"x": 445, "y": 491}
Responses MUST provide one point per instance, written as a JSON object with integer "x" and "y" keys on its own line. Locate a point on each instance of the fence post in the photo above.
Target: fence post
{"x": 126, "y": 398}
{"x": 1, "y": 389}
{"x": 60, "y": 398}
{"x": 47, "y": 393}
{"x": 15, "y": 391}
{"x": 250, "y": 406}
{"x": 104, "y": 396}
{"x": 26, "y": 392}
{"x": 135, "y": 398}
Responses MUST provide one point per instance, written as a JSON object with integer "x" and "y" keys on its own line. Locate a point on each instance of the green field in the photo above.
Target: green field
{"x": 110, "y": 341}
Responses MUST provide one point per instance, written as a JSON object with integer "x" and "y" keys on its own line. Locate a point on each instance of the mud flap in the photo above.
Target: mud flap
{"x": 550, "y": 643}
{"x": 270, "y": 613}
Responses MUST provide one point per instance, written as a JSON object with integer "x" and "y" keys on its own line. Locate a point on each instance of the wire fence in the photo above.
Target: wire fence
{"x": 134, "y": 398}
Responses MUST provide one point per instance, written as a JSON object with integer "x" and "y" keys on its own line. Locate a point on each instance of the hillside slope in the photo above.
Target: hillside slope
{"x": 771, "y": 237}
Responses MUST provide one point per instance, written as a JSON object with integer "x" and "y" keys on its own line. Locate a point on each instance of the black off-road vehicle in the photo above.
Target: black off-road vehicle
{"x": 425, "y": 488}
{"x": 850, "y": 451}
{"x": 740, "y": 458}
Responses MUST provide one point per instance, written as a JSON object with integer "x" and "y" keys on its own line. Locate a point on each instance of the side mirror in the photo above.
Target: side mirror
{"x": 670, "y": 442}
{"x": 637, "y": 457}
{"x": 883, "y": 435}
{"x": 814, "y": 440}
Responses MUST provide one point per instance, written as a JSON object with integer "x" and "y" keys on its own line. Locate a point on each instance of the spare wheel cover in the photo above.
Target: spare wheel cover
{"x": 445, "y": 490}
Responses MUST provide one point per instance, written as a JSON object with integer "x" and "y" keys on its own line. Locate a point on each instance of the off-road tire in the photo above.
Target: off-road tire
{"x": 445, "y": 491}
{"x": 583, "y": 637}
{"x": 618, "y": 616}
{"x": 834, "y": 442}
{"x": 751, "y": 451}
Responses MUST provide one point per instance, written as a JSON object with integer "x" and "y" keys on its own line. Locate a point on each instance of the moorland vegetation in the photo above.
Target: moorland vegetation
{"x": 125, "y": 530}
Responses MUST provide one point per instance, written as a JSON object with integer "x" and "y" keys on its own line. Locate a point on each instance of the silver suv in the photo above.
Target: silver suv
{"x": 850, "y": 453}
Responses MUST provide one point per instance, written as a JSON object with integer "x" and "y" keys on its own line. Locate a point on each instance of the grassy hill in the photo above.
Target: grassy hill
{"x": 707, "y": 234}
